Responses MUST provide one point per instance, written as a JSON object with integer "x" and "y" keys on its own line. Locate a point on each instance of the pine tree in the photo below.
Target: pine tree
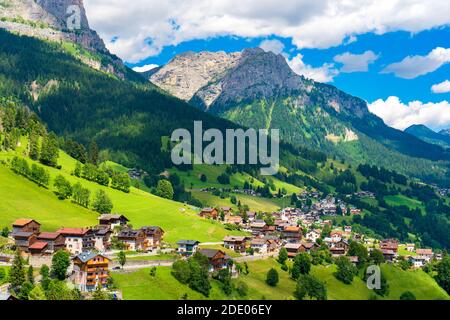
{"x": 93, "y": 153}
{"x": 17, "y": 273}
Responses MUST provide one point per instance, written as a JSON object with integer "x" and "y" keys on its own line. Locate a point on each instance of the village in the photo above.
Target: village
{"x": 94, "y": 249}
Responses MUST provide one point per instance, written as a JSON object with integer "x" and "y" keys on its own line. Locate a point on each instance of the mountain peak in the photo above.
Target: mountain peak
{"x": 445, "y": 132}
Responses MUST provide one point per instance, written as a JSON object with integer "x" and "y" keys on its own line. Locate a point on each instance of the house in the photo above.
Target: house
{"x": 348, "y": 229}
{"x": 26, "y": 225}
{"x": 410, "y": 247}
{"x": 132, "y": 240}
{"x": 425, "y": 253}
{"x": 339, "y": 248}
{"x": 251, "y": 216}
{"x": 258, "y": 227}
{"x": 336, "y": 235}
{"x": 38, "y": 248}
{"x": 187, "y": 247}
{"x": 112, "y": 220}
{"x": 24, "y": 240}
{"x": 153, "y": 237}
{"x": 388, "y": 255}
{"x": 217, "y": 259}
{"x": 418, "y": 261}
{"x": 291, "y": 234}
{"x": 78, "y": 240}
{"x": 237, "y": 220}
{"x": 260, "y": 245}
{"x": 313, "y": 235}
{"x": 210, "y": 213}
{"x": 389, "y": 245}
{"x": 308, "y": 246}
{"x": 235, "y": 243}
{"x": 293, "y": 249}
{"x": 226, "y": 210}
{"x": 102, "y": 238}
{"x": 90, "y": 271}
{"x": 54, "y": 240}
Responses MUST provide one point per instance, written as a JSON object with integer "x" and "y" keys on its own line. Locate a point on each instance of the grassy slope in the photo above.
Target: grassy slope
{"x": 141, "y": 208}
{"x": 401, "y": 200}
{"x": 139, "y": 285}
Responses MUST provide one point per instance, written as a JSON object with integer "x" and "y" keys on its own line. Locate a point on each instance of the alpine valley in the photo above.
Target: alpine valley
{"x": 85, "y": 141}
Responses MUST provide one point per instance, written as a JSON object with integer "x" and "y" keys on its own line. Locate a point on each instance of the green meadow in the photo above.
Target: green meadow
{"x": 27, "y": 200}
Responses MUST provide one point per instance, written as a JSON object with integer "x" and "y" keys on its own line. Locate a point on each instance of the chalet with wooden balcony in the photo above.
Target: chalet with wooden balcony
{"x": 54, "y": 240}
{"x": 90, "y": 271}
{"x": 78, "y": 240}
{"x": 153, "y": 237}
{"x": 218, "y": 260}
{"x": 112, "y": 220}
{"x": 291, "y": 234}
{"x": 26, "y": 225}
{"x": 102, "y": 238}
{"x": 210, "y": 213}
{"x": 187, "y": 247}
{"x": 293, "y": 249}
{"x": 235, "y": 243}
{"x": 23, "y": 240}
{"x": 132, "y": 240}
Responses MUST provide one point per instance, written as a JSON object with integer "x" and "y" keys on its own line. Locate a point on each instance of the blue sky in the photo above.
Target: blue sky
{"x": 390, "y": 53}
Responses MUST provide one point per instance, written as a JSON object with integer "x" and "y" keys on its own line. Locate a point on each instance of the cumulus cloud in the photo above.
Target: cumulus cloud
{"x": 414, "y": 66}
{"x": 275, "y": 46}
{"x": 442, "y": 87}
{"x": 145, "y": 68}
{"x": 325, "y": 73}
{"x": 400, "y": 116}
{"x": 356, "y": 62}
{"x": 144, "y": 27}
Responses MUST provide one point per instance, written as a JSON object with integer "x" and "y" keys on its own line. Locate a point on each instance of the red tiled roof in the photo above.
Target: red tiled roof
{"x": 23, "y": 222}
{"x": 48, "y": 235}
{"x": 38, "y": 245}
{"x": 424, "y": 252}
{"x": 291, "y": 229}
{"x": 73, "y": 231}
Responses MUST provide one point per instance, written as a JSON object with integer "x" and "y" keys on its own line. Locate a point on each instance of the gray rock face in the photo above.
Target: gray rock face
{"x": 51, "y": 18}
{"x": 189, "y": 72}
{"x": 217, "y": 81}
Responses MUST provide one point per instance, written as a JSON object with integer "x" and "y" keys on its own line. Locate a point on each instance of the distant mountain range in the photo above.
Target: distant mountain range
{"x": 442, "y": 138}
{"x": 258, "y": 89}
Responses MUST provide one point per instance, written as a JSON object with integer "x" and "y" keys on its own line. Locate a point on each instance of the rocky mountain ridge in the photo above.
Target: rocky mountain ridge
{"x": 51, "y": 20}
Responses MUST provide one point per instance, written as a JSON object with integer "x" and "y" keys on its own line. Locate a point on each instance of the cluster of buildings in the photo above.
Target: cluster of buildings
{"x": 298, "y": 231}
{"x": 90, "y": 267}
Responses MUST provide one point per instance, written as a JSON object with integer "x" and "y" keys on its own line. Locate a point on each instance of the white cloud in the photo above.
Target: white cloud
{"x": 442, "y": 87}
{"x": 325, "y": 73}
{"x": 356, "y": 62}
{"x": 274, "y": 46}
{"x": 413, "y": 66}
{"x": 144, "y": 27}
{"x": 399, "y": 115}
{"x": 145, "y": 68}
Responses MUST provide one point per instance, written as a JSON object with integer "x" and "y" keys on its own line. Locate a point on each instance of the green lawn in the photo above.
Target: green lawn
{"x": 27, "y": 200}
{"x": 254, "y": 203}
{"x": 418, "y": 282}
{"x": 401, "y": 200}
{"x": 139, "y": 285}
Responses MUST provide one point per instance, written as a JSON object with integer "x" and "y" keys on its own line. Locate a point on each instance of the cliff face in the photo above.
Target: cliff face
{"x": 48, "y": 19}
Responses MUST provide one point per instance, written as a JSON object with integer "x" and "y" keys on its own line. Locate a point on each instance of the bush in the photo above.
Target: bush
{"x": 272, "y": 278}
{"x": 345, "y": 270}
{"x": 242, "y": 288}
{"x": 407, "y": 295}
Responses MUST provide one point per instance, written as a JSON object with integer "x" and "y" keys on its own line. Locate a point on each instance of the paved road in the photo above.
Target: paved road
{"x": 256, "y": 257}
